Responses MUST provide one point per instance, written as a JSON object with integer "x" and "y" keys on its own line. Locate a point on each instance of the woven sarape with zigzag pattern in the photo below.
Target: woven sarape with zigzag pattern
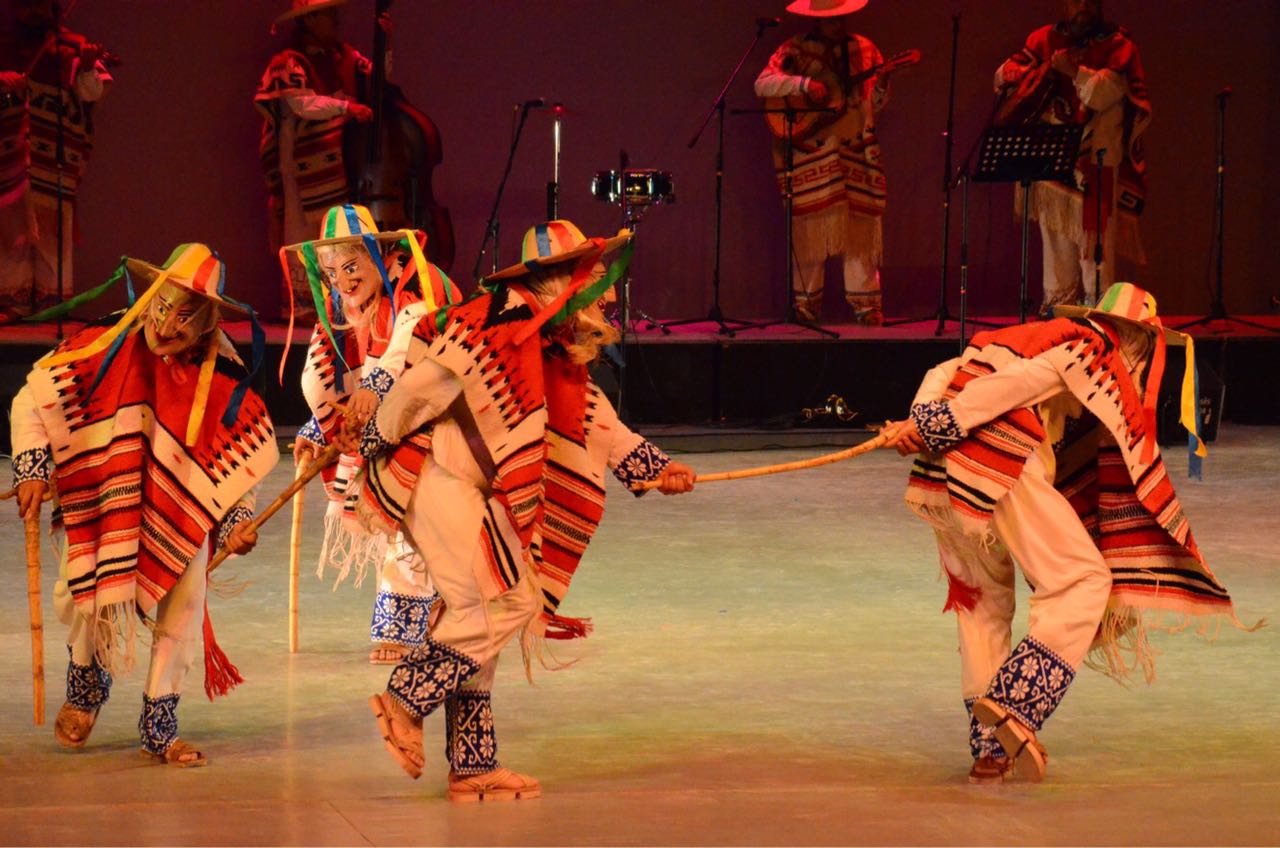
{"x": 317, "y": 150}
{"x": 535, "y": 416}
{"x": 1129, "y": 505}
{"x": 137, "y": 503}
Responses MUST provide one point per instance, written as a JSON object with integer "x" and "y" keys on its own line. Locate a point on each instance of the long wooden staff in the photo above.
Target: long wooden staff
{"x": 326, "y": 457}
{"x": 295, "y": 555}
{"x": 826, "y": 459}
{"x": 32, "y": 528}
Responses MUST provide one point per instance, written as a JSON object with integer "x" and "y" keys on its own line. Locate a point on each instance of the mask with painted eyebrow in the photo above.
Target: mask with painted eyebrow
{"x": 177, "y": 320}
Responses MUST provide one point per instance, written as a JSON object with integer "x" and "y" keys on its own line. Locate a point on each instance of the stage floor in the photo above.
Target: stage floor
{"x": 770, "y": 666}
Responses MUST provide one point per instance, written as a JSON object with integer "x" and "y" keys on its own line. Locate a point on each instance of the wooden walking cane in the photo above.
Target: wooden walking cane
{"x": 32, "y": 528}
{"x": 295, "y": 555}
{"x": 826, "y": 459}
{"x": 326, "y": 457}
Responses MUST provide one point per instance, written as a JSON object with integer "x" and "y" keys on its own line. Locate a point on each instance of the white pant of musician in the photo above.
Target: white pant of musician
{"x": 1037, "y": 530}
{"x": 29, "y": 266}
{"x": 837, "y": 232}
{"x": 1070, "y": 274}
{"x": 176, "y": 641}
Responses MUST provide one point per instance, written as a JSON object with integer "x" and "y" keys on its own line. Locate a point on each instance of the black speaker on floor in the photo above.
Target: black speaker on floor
{"x": 1169, "y": 402}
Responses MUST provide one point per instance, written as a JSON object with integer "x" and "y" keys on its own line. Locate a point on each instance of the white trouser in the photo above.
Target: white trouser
{"x": 1069, "y": 268}
{"x": 858, "y": 248}
{"x": 28, "y": 264}
{"x": 443, "y": 523}
{"x": 1037, "y": 529}
{"x": 176, "y": 641}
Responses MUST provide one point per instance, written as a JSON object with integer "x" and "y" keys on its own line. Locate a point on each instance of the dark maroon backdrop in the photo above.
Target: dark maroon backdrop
{"x": 176, "y": 156}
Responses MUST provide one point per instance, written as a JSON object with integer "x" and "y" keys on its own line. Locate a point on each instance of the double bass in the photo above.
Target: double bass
{"x": 390, "y": 160}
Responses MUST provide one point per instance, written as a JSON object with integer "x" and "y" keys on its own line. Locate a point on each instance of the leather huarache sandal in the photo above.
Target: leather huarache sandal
{"x": 73, "y": 725}
{"x": 1018, "y": 740}
{"x": 173, "y": 755}
{"x": 989, "y": 769}
{"x": 403, "y": 743}
{"x": 501, "y": 784}
{"x": 386, "y": 653}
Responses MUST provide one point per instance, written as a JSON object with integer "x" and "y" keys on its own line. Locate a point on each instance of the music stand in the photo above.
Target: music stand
{"x": 1025, "y": 155}
{"x": 788, "y": 114}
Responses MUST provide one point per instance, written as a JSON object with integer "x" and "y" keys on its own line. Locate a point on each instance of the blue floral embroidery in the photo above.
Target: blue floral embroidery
{"x": 379, "y": 381}
{"x": 982, "y": 739}
{"x": 88, "y": 686}
{"x": 937, "y": 425}
{"x": 311, "y": 432}
{"x": 643, "y": 464}
{"x": 470, "y": 743}
{"x": 238, "y": 514}
{"x": 158, "y": 724}
{"x": 372, "y": 442}
{"x": 33, "y": 464}
{"x": 401, "y": 619}
{"x": 428, "y": 675}
{"x": 1031, "y": 682}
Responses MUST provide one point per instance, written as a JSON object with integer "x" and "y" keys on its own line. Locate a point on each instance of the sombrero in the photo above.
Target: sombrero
{"x": 354, "y": 225}
{"x": 1128, "y": 304}
{"x": 194, "y": 267}
{"x": 298, "y": 8}
{"x": 561, "y": 242}
{"x": 555, "y": 242}
{"x": 825, "y": 8}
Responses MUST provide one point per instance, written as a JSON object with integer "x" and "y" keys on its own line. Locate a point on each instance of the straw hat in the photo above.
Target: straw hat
{"x": 1126, "y": 303}
{"x": 194, "y": 267}
{"x": 305, "y": 7}
{"x": 555, "y": 242}
{"x": 825, "y": 8}
{"x": 349, "y": 224}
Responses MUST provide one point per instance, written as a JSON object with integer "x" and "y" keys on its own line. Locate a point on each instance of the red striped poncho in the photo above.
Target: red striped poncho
{"x": 137, "y": 503}
{"x": 1123, "y": 497}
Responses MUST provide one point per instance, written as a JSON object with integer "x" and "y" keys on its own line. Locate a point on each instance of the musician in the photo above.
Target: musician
{"x": 42, "y": 64}
{"x": 307, "y": 94}
{"x": 837, "y": 178}
{"x": 1092, "y": 75}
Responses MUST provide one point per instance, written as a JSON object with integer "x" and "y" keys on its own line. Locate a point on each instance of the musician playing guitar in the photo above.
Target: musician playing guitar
{"x": 42, "y": 65}
{"x": 1083, "y": 70}
{"x": 837, "y": 179}
{"x": 307, "y": 94}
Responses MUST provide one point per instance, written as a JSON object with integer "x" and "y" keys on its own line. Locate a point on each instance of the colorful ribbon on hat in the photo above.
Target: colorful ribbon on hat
{"x": 200, "y": 270}
{"x": 579, "y": 293}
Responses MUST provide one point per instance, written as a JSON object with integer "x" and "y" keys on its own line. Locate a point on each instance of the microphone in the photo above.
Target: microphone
{"x": 768, "y": 22}
{"x": 535, "y": 103}
{"x": 1225, "y": 93}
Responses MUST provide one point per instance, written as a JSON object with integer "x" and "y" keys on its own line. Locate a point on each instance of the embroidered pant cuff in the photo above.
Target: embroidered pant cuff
{"x": 982, "y": 739}
{"x": 158, "y": 725}
{"x": 1031, "y": 683}
{"x": 470, "y": 743}
{"x": 428, "y": 675}
{"x": 400, "y": 619}
{"x": 88, "y": 686}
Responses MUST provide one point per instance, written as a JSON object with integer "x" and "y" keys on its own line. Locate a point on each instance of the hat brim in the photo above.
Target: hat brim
{"x": 297, "y": 13}
{"x": 148, "y": 272}
{"x": 801, "y": 7}
{"x": 520, "y": 269}
{"x": 1065, "y": 310}
{"x": 388, "y": 236}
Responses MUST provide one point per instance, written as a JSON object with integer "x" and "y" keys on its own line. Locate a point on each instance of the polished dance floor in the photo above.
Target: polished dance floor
{"x": 770, "y": 667}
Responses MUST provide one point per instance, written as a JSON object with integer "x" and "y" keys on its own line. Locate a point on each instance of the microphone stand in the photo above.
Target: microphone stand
{"x": 553, "y": 187}
{"x": 715, "y": 314}
{"x": 491, "y": 226}
{"x": 1218, "y": 309}
{"x": 60, "y": 154}
{"x": 950, "y": 180}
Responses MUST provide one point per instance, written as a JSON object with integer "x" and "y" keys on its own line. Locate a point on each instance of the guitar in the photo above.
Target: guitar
{"x": 808, "y": 123}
